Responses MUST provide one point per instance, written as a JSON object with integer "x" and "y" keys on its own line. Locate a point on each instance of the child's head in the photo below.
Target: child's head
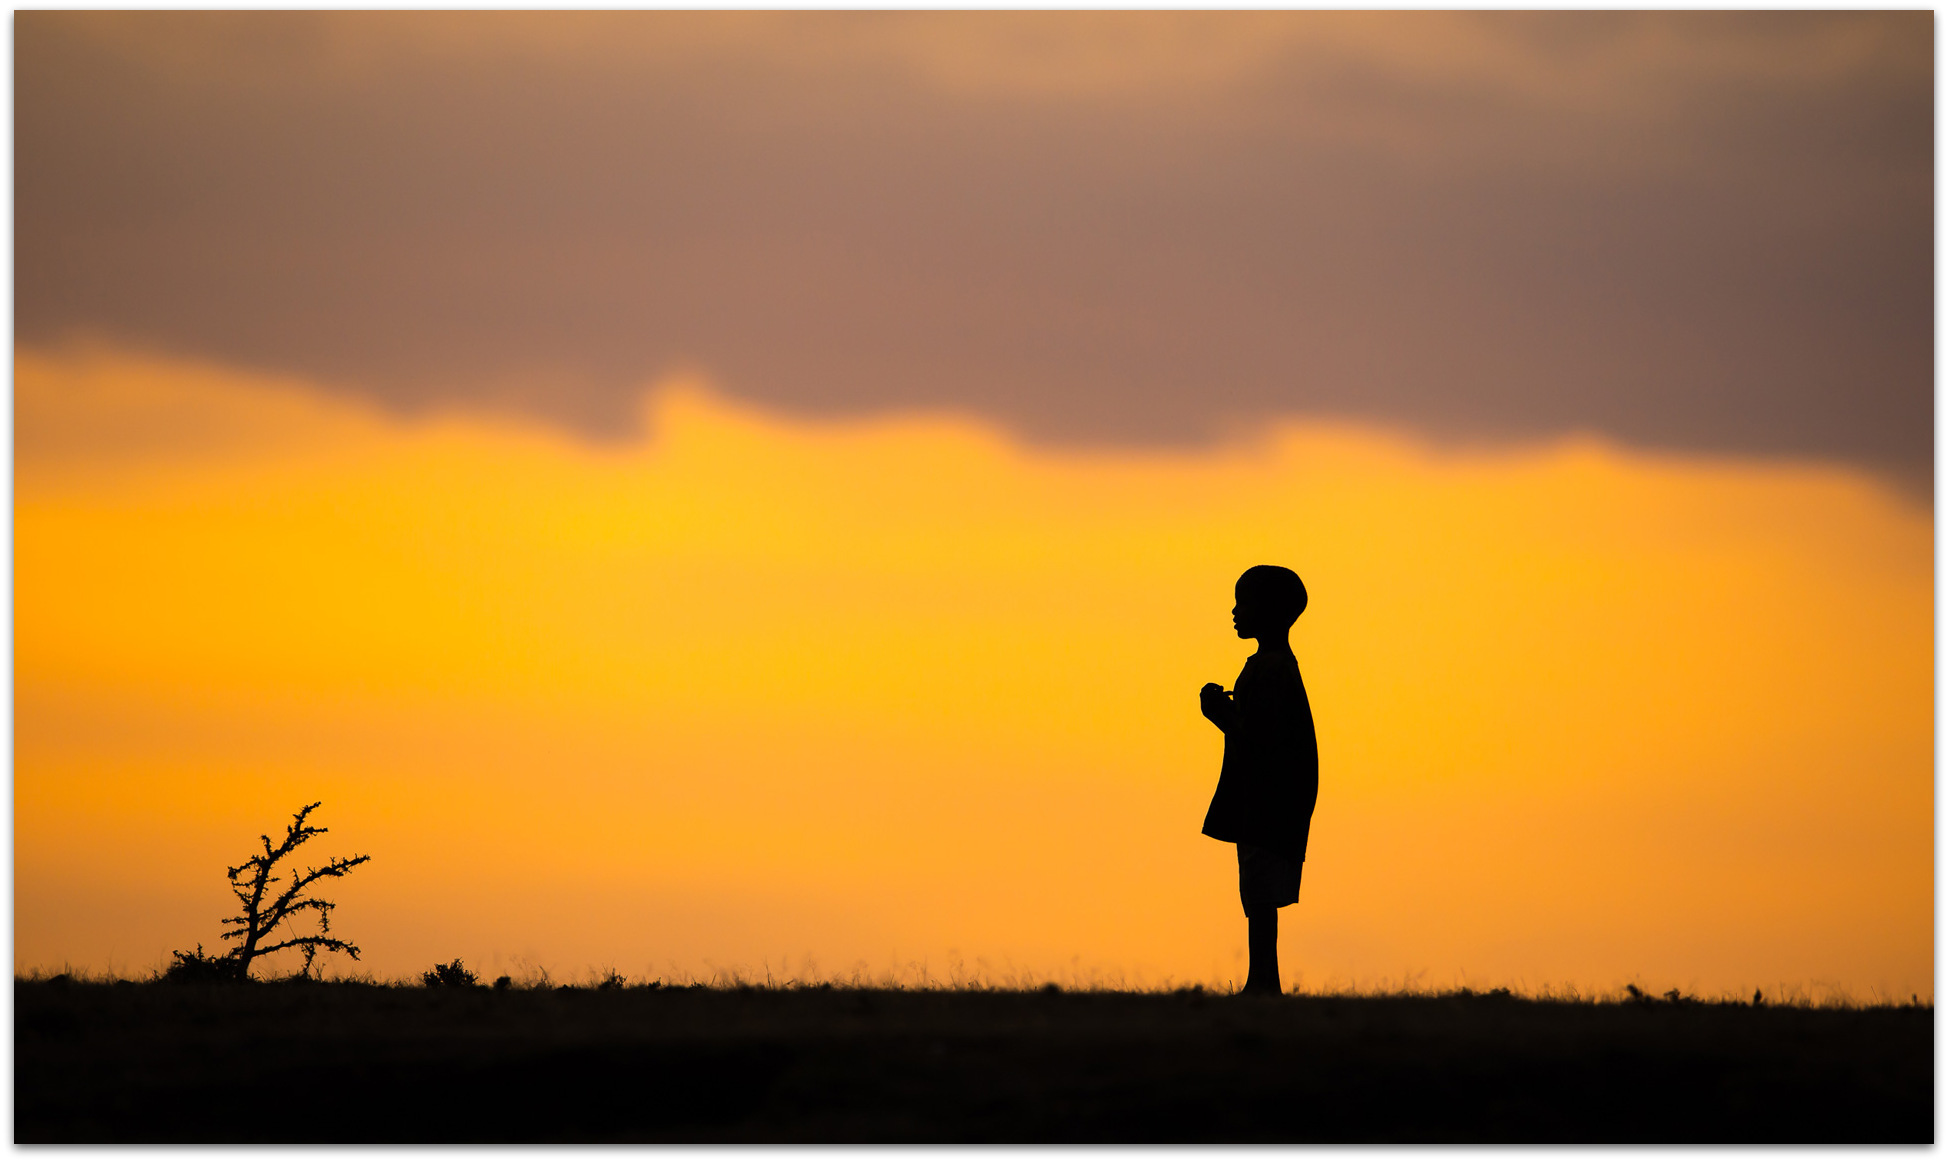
{"x": 1270, "y": 599}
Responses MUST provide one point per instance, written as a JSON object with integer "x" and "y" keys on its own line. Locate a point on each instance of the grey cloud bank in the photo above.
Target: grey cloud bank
{"x": 1705, "y": 232}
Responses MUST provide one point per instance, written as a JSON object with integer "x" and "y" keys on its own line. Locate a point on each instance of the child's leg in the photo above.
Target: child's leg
{"x": 1263, "y": 974}
{"x": 1266, "y": 882}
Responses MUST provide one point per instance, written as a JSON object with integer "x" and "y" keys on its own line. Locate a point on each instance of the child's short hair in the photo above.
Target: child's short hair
{"x": 1277, "y": 589}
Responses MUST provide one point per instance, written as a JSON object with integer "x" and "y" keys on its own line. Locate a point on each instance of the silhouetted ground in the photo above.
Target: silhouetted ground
{"x": 342, "y": 1062}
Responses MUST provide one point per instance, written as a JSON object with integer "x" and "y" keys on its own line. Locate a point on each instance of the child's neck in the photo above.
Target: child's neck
{"x": 1275, "y": 645}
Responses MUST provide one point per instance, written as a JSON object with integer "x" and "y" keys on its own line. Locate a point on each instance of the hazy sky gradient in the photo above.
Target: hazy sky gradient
{"x": 1683, "y": 231}
{"x": 724, "y": 696}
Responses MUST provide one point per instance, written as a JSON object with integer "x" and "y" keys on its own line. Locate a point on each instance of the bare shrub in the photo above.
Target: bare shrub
{"x": 264, "y": 912}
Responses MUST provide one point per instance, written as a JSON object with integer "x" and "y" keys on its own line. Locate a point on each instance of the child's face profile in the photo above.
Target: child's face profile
{"x": 1259, "y": 614}
{"x": 1247, "y": 615}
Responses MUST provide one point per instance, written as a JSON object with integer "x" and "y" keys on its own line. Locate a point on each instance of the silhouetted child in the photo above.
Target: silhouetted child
{"x": 1270, "y": 780}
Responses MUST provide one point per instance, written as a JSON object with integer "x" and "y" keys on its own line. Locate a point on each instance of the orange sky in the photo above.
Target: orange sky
{"x": 811, "y": 696}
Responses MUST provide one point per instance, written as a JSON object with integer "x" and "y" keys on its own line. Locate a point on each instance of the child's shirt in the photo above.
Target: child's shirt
{"x": 1270, "y": 779}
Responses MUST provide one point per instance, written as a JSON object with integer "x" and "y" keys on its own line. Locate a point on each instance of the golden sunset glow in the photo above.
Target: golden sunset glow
{"x": 755, "y": 693}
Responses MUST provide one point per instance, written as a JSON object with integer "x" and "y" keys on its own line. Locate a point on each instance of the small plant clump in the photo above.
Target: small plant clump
{"x": 1637, "y": 996}
{"x": 450, "y": 976}
{"x": 198, "y": 968}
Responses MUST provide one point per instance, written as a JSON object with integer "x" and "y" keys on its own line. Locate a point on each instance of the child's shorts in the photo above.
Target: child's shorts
{"x": 1266, "y": 879}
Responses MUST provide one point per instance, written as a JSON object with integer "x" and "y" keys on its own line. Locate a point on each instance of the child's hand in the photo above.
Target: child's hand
{"x": 1216, "y": 703}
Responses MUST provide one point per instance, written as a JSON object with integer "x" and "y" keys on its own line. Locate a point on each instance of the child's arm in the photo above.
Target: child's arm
{"x": 1217, "y": 705}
